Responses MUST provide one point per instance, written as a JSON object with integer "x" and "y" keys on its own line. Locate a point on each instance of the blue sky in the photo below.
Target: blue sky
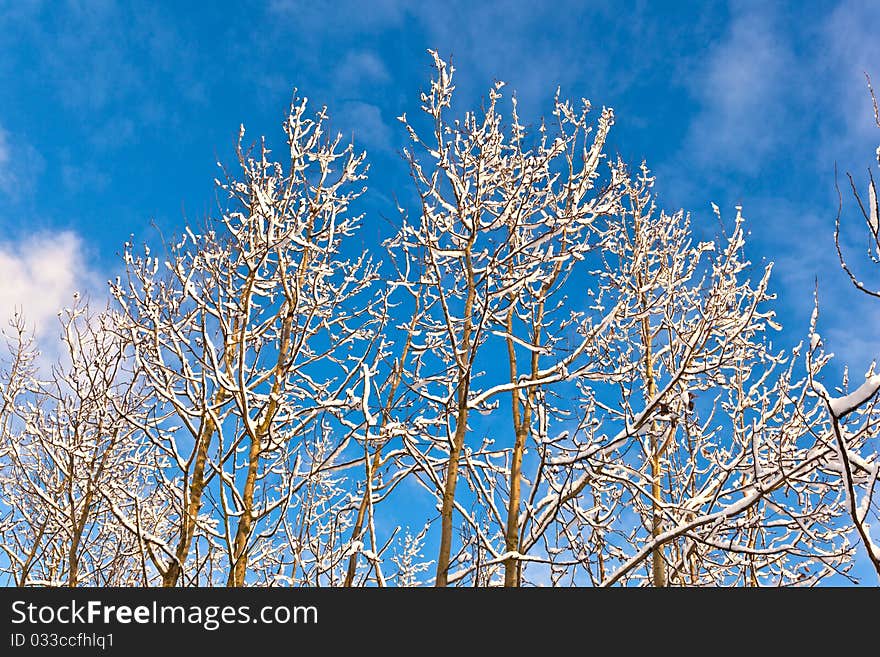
{"x": 113, "y": 115}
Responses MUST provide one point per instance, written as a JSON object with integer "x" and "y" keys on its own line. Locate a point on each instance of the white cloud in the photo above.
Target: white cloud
{"x": 38, "y": 277}
{"x": 741, "y": 88}
{"x": 6, "y": 178}
{"x": 365, "y": 122}
{"x": 20, "y": 165}
{"x": 82, "y": 178}
{"x": 851, "y": 48}
{"x": 359, "y": 70}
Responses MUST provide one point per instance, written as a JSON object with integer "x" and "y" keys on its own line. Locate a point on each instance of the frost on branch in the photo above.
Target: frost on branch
{"x": 619, "y": 368}
{"x": 852, "y": 426}
{"x": 251, "y": 338}
{"x": 554, "y": 376}
{"x": 73, "y": 467}
{"x": 840, "y": 406}
{"x": 870, "y": 210}
{"x": 853, "y": 417}
{"x": 694, "y": 425}
{"x": 506, "y": 216}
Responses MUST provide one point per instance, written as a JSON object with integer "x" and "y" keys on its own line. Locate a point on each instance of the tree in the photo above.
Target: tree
{"x": 597, "y": 292}
{"x": 855, "y": 417}
{"x": 709, "y": 433}
{"x": 581, "y": 387}
{"x": 251, "y": 342}
{"x": 502, "y": 220}
{"x": 71, "y": 456}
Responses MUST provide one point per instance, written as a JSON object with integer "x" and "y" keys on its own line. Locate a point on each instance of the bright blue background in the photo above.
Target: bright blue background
{"x": 113, "y": 115}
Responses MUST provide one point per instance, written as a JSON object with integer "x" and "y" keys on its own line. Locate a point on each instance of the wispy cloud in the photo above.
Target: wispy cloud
{"x": 499, "y": 42}
{"x": 365, "y": 123}
{"x": 5, "y": 157}
{"x": 38, "y": 276}
{"x": 78, "y": 179}
{"x": 742, "y": 87}
{"x": 355, "y": 84}
{"x": 848, "y": 136}
{"x": 20, "y": 164}
{"x": 360, "y": 69}
{"x": 851, "y": 47}
{"x": 774, "y": 108}
{"x": 854, "y": 345}
{"x": 100, "y": 61}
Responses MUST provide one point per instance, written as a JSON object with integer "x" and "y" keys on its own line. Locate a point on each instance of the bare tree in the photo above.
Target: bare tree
{"x": 504, "y": 217}
{"x": 855, "y": 417}
{"x": 578, "y": 388}
{"x": 707, "y": 428}
{"x": 868, "y": 207}
{"x": 256, "y": 332}
{"x": 67, "y": 456}
{"x": 678, "y": 460}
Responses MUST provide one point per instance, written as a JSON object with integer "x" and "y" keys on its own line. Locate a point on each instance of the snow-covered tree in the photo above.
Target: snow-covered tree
{"x": 252, "y": 336}
{"x": 72, "y": 460}
{"x": 504, "y": 215}
{"x": 583, "y": 386}
{"x": 855, "y": 417}
{"x": 626, "y": 343}
{"x": 691, "y": 447}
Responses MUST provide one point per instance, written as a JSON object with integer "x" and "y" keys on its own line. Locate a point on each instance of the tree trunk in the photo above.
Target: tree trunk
{"x": 462, "y": 390}
{"x": 658, "y": 566}
{"x": 451, "y": 481}
{"x": 194, "y": 504}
